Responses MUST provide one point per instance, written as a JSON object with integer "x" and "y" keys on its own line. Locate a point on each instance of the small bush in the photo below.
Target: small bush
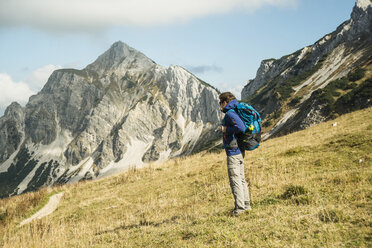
{"x": 351, "y": 86}
{"x": 358, "y": 98}
{"x": 294, "y": 151}
{"x": 277, "y": 114}
{"x": 341, "y": 83}
{"x": 359, "y": 73}
{"x": 188, "y": 235}
{"x": 268, "y": 201}
{"x": 331, "y": 215}
{"x": 267, "y": 123}
{"x": 292, "y": 191}
{"x": 301, "y": 200}
{"x": 336, "y": 93}
{"x": 295, "y": 101}
{"x": 318, "y": 162}
{"x": 285, "y": 91}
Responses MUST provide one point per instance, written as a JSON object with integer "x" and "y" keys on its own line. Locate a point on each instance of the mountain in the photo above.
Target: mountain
{"x": 121, "y": 110}
{"x": 298, "y": 199}
{"x": 318, "y": 82}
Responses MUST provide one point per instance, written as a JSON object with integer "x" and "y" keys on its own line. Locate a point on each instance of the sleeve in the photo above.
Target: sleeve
{"x": 234, "y": 123}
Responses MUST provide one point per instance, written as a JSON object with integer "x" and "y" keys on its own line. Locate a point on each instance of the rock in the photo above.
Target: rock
{"x": 121, "y": 110}
{"x": 294, "y": 82}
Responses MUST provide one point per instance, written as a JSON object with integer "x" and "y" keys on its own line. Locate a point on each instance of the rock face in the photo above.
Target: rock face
{"x": 122, "y": 110}
{"x": 11, "y": 130}
{"x": 283, "y": 88}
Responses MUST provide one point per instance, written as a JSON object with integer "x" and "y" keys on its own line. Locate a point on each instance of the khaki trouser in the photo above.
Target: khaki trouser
{"x": 239, "y": 188}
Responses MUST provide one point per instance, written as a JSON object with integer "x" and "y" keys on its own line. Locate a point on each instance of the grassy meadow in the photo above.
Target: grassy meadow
{"x": 309, "y": 189}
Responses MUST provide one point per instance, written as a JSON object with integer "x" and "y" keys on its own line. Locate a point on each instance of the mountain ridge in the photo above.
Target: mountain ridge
{"x": 119, "y": 111}
{"x": 283, "y": 88}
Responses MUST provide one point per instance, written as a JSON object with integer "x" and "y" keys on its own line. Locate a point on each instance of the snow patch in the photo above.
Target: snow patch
{"x": 334, "y": 61}
{"x": 42, "y": 153}
{"x": 56, "y": 148}
{"x": 281, "y": 123}
{"x": 133, "y": 157}
{"x": 23, "y": 185}
{"x": 5, "y": 165}
{"x": 191, "y": 134}
{"x": 181, "y": 122}
{"x": 302, "y": 55}
{"x": 84, "y": 166}
{"x": 164, "y": 156}
{"x": 287, "y": 115}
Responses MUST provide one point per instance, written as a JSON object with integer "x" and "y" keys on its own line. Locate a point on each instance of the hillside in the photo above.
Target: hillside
{"x": 318, "y": 82}
{"x": 309, "y": 189}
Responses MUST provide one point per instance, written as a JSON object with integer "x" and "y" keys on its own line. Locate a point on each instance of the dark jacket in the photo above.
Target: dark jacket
{"x": 234, "y": 125}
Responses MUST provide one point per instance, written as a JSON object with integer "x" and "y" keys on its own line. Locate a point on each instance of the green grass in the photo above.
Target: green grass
{"x": 309, "y": 189}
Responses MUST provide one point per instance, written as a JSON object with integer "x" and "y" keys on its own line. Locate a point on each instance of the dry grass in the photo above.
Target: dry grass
{"x": 309, "y": 189}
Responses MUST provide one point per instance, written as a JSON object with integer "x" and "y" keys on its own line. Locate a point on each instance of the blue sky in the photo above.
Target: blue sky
{"x": 220, "y": 41}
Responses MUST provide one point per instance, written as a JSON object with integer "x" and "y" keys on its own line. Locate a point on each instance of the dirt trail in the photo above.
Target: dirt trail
{"x": 46, "y": 210}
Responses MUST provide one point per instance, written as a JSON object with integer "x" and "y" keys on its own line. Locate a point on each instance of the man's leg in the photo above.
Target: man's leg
{"x": 234, "y": 168}
{"x": 247, "y": 202}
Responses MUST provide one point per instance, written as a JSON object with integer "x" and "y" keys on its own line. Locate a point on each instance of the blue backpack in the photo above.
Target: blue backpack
{"x": 251, "y": 138}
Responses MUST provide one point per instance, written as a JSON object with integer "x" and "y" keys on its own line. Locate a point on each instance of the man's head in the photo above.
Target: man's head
{"x": 225, "y": 98}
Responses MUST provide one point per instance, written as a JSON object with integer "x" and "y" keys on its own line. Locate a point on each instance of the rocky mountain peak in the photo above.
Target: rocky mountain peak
{"x": 363, "y": 4}
{"x": 361, "y": 17}
{"x": 13, "y": 109}
{"x": 122, "y": 110}
{"x": 315, "y": 83}
{"x": 120, "y": 56}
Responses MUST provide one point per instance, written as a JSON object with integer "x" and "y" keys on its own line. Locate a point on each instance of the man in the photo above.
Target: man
{"x": 232, "y": 125}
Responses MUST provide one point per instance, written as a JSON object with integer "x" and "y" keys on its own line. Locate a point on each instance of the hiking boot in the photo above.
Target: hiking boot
{"x": 248, "y": 206}
{"x": 236, "y": 213}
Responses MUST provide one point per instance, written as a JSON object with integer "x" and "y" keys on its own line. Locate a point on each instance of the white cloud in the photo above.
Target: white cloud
{"x": 88, "y": 15}
{"x": 201, "y": 69}
{"x": 39, "y": 77}
{"x": 20, "y": 92}
{"x": 235, "y": 89}
{"x": 13, "y": 91}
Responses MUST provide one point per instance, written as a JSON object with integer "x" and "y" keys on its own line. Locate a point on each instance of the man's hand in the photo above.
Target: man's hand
{"x": 223, "y": 128}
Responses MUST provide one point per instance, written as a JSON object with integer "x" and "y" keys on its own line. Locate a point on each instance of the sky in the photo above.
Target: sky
{"x": 221, "y": 41}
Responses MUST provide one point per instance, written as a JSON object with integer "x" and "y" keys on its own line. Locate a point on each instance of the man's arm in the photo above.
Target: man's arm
{"x": 235, "y": 124}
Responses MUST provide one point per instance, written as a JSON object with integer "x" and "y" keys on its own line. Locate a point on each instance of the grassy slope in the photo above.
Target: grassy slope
{"x": 309, "y": 189}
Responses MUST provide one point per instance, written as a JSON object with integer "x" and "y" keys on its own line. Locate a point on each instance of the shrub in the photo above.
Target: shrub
{"x": 267, "y": 123}
{"x": 269, "y": 201}
{"x": 302, "y": 200}
{"x": 358, "y": 98}
{"x": 285, "y": 91}
{"x": 294, "y": 151}
{"x": 295, "y": 100}
{"x": 359, "y": 73}
{"x": 277, "y": 114}
{"x": 341, "y": 83}
{"x": 292, "y": 191}
{"x": 331, "y": 215}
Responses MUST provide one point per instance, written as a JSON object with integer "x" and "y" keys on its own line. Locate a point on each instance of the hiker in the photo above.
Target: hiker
{"x": 232, "y": 125}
